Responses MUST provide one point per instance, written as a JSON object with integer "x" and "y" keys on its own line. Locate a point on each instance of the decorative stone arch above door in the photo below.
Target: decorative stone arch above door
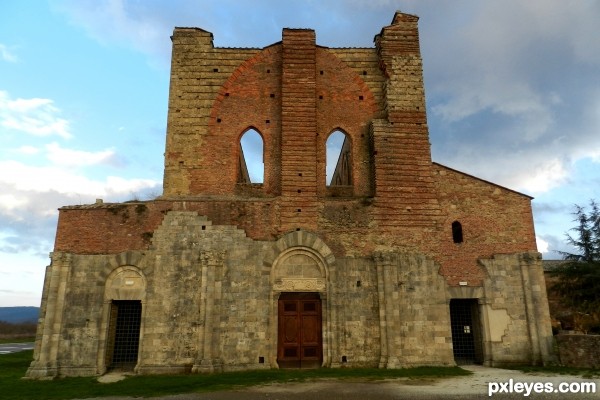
{"x": 300, "y": 262}
{"x": 299, "y": 240}
{"x": 125, "y": 283}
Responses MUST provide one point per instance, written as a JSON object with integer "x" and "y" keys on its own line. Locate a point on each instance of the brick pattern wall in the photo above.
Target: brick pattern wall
{"x": 208, "y": 249}
{"x": 198, "y": 72}
{"x": 295, "y": 94}
{"x": 298, "y": 131}
{"x": 493, "y": 219}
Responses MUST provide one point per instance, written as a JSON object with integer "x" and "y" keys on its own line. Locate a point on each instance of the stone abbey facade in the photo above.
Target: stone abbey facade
{"x": 398, "y": 262}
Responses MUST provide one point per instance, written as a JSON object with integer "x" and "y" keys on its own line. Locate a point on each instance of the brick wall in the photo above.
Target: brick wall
{"x": 295, "y": 94}
{"x": 493, "y": 219}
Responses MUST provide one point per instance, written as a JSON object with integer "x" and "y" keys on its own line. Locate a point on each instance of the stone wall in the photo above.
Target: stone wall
{"x": 210, "y": 258}
{"x": 580, "y": 351}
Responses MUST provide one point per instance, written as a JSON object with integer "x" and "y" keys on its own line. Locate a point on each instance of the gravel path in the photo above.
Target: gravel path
{"x": 470, "y": 387}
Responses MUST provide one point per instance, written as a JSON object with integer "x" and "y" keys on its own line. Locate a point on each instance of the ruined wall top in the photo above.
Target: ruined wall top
{"x": 294, "y": 93}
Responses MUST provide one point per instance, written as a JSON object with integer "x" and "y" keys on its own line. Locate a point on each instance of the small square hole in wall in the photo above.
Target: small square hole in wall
{"x": 268, "y": 121}
{"x": 215, "y": 69}
{"x": 261, "y": 360}
{"x": 268, "y": 71}
{"x": 344, "y": 359}
{"x": 360, "y": 97}
{"x": 219, "y": 120}
{"x": 320, "y": 72}
{"x": 364, "y": 72}
{"x": 299, "y": 210}
{"x": 272, "y": 95}
{"x": 300, "y": 174}
{"x": 203, "y": 227}
{"x": 320, "y": 97}
{"x": 226, "y": 94}
{"x": 358, "y": 283}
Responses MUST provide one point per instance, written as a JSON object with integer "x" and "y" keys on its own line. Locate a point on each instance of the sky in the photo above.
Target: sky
{"x": 512, "y": 90}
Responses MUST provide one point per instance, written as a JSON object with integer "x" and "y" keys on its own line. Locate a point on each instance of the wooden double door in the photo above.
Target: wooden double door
{"x": 300, "y": 338}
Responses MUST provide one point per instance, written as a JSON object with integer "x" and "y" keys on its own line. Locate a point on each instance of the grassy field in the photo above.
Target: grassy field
{"x": 25, "y": 339}
{"x": 13, "y": 367}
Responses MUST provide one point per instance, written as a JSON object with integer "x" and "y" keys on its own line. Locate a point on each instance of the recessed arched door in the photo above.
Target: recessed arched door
{"x": 300, "y": 338}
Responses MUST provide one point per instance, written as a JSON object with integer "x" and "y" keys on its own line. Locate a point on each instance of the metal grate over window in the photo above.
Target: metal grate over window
{"x": 126, "y": 333}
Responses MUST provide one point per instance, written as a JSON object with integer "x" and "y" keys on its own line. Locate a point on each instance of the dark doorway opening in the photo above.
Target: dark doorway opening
{"x": 466, "y": 331}
{"x": 124, "y": 334}
{"x": 300, "y": 339}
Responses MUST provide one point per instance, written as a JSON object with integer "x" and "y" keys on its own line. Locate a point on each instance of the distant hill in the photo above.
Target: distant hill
{"x": 17, "y": 315}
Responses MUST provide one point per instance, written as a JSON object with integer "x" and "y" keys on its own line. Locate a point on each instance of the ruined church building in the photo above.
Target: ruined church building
{"x": 398, "y": 261}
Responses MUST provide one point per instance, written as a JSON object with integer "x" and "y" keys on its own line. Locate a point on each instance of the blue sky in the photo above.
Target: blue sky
{"x": 512, "y": 87}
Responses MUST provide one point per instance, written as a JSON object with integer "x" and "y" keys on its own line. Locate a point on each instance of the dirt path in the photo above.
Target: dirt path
{"x": 470, "y": 387}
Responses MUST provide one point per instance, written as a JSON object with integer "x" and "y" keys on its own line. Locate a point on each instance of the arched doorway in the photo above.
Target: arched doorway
{"x": 122, "y": 327}
{"x": 300, "y": 310}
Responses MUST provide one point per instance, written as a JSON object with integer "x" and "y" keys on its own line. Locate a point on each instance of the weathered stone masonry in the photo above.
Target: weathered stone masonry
{"x": 221, "y": 268}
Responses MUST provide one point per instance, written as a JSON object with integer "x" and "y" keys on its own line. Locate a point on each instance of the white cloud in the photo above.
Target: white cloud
{"x": 36, "y": 116}
{"x": 68, "y": 157}
{"x": 66, "y": 181}
{"x": 28, "y": 150}
{"x": 542, "y": 245}
{"x": 6, "y": 54}
{"x": 10, "y": 202}
{"x": 545, "y": 177}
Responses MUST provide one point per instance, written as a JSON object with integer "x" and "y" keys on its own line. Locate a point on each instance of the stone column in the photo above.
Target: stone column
{"x": 45, "y": 362}
{"x": 536, "y": 302}
{"x": 210, "y": 298}
{"x": 385, "y": 287}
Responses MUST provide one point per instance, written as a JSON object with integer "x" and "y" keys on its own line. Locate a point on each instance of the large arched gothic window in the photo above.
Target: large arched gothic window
{"x": 339, "y": 166}
{"x": 251, "y": 164}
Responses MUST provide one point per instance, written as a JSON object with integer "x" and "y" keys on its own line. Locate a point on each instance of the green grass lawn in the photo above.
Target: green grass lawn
{"x": 26, "y": 339}
{"x": 13, "y": 367}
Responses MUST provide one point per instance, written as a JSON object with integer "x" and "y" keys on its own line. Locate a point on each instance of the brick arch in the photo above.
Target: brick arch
{"x": 348, "y": 172}
{"x": 265, "y": 55}
{"x": 336, "y": 129}
{"x": 249, "y": 98}
{"x": 239, "y": 148}
{"x": 339, "y": 92}
{"x": 250, "y": 128}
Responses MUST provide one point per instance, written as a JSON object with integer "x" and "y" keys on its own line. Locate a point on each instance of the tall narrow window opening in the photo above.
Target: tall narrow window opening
{"x": 251, "y": 164}
{"x": 457, "y": 233}
{"x": 338, "y": 168}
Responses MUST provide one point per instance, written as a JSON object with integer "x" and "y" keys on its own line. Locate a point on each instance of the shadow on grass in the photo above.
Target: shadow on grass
{"x": 13, "y": 367}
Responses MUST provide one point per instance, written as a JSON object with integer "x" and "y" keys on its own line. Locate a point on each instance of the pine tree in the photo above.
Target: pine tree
{"x": 579, "y": 276}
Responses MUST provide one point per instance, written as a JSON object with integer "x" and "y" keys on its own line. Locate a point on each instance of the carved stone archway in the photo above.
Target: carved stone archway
{"x": 125, "y": 283}
{"x": 300, "y": 263}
